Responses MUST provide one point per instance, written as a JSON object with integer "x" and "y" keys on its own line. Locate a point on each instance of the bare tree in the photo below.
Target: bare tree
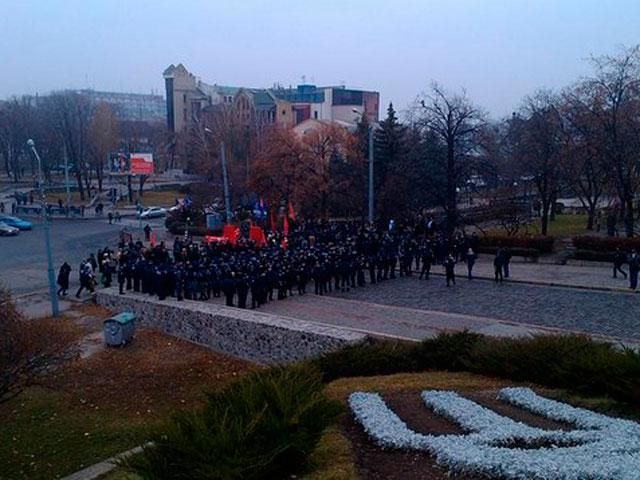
{"x": 455, "y": 122}
{"x": 103, "y": 138}
{"x": 615, "y": 107}
{"x": 587, "y": 172}
{"x": 536, "y": 135}
{"x": 71, "y": 114}
{"x": 28, "y": 347}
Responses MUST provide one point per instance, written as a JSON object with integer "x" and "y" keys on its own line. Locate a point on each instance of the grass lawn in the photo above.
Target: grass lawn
{"x": 567, "y": 225}
{"x": 94, "y": 408}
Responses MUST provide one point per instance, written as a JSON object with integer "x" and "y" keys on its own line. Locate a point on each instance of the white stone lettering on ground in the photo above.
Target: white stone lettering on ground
{"x": 600, "y": 448}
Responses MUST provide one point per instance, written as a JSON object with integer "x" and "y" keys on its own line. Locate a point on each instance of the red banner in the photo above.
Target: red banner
{"x": 141, "y": 163}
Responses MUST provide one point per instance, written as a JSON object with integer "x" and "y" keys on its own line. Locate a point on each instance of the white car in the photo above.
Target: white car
{"x": 8, "y": 230}
{"x": 153, "y": 212}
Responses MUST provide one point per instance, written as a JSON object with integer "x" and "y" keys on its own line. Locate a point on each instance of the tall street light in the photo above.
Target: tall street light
{"x": 225, "y": 180}
{"x": 53, "y": 296}
{"x": 370, "y": 132}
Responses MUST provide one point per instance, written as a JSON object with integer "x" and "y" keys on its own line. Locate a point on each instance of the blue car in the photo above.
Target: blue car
{"x": 16, "y": 222}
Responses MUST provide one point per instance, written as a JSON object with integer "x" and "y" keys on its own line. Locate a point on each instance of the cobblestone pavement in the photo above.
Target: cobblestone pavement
{"x": 589, "y": 275}
{"x": 612, "y": 314}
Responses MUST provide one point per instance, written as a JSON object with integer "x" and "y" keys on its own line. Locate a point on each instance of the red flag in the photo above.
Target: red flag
{"x": 152, "y": 239}
{"x": 292, "y": 215}
{"x": 285, "y": 227}
{"x": 272, "y": 224}
{"x": 284, "y": 243}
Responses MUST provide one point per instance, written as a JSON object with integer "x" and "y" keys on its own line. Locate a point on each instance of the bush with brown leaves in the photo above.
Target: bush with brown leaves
{"x": 28, "y": 347}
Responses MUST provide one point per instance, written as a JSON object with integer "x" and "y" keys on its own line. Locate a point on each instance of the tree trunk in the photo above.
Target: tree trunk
{"x": 99, "y": 175}
{"x": 544, "y": 220}
{"x": 129, "y": 189}
{"x": 628, "y": 217}
{"x": 452, "y": 200}
{"x": 591, "y": 216}
{"x": 80, "y": 186}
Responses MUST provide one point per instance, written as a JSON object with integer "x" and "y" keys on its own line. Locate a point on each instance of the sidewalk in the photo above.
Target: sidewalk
{"x": 596, "y": 276}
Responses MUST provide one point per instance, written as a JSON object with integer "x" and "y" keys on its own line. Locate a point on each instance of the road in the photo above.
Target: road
{"x": 23, "y": 263}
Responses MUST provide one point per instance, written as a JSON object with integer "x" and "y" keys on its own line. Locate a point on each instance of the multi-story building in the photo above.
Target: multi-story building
{"x": 187, "y": 96}
{"x": 139, "y": 107}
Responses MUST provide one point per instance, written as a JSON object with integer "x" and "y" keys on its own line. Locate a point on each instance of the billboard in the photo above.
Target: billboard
{"x": 118, "y": 163}
{"x": 141, "y": 163}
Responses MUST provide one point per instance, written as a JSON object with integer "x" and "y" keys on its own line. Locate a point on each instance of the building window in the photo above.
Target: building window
{"x": 184, "y": 97}
{"x": 315, "y": 114}
{"x": 284, "y": 112}
{"x": 184, "y": 114}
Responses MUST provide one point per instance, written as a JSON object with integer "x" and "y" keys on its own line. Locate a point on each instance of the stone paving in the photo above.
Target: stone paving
{"x": 612, "y": 314}
{"x": 595, "y": 275}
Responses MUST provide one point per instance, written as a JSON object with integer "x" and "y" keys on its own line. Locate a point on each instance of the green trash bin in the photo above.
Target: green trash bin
{"x": 118, "y": 330}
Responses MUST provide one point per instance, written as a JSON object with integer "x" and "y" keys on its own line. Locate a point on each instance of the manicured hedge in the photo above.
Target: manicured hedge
{"x": 606, "y": 244}
{"x": 572, "y": 362}
{"x": 542, "y": 243}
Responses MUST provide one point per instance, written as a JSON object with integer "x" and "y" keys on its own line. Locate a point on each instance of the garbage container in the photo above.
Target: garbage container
{"x": 118, "y": 330}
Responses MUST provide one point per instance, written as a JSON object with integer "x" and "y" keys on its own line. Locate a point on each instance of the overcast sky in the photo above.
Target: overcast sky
{"x": 499, "y": 50}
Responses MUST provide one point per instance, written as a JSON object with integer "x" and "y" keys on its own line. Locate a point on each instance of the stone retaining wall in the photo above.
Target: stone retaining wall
{"x": 248, "y": 334}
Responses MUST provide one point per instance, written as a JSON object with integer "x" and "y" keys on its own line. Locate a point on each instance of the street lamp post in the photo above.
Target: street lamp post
{"x": 371, "y": 175}
{"x": 66, "y": 180}
{"x": 225, "y": 180}
{"x": 371, "y": 193}
{"x": 47, "y": 236}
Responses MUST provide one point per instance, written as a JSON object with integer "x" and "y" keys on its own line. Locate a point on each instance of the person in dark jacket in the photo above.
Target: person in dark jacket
{"x": 449, "y": 269}
{"x": 63, "y": 279}
{"x": 497, "y": 265}
{"x": 619, "y": 259}
{"x": 506, "y": 259}
{"x": 470, "y": 259}
{"x": 634, "y": 267}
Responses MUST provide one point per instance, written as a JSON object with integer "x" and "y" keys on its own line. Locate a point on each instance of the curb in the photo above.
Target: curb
{"x": 101, "y": 468}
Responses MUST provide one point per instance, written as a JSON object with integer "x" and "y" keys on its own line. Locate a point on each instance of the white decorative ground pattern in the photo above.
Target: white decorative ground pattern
{"x": 599, "y": 448}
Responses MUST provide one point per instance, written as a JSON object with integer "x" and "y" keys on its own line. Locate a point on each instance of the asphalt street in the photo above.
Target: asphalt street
{"x": 23, "y": 263}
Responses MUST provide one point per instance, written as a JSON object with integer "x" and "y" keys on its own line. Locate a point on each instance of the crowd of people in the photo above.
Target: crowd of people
{"x": 332, "y": 256}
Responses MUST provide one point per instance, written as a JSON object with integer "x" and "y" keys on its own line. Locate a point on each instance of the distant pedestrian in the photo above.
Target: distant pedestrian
{"x": 147, "y": 232}
{"x": 63, "y": 279}
{"x": 619, "y": 258}
{"x": 110, "y": 217}
{"x": 497, "y": 265}
{"x": 470, "y": 259}
{"x": 86, "y": 278}
{"x": 449, "y": 269}
{"x": 117, "y": 217}
{"x": 634, "y": 267}
{"x": 1, "y": 207}
{"x": 506, "y": 259}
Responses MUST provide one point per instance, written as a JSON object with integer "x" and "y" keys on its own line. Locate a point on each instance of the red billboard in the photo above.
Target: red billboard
{"x": 141, "y": 163}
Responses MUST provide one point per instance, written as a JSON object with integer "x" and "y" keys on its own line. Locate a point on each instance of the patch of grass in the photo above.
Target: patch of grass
{"x": 152, "y": 198}
{"x": 566, "y": 225}
{"x": 332, "y": 459}
{"x": 42, "y": 438}
{"x": 439, "y": 380}
{"x": 116, "y": 397}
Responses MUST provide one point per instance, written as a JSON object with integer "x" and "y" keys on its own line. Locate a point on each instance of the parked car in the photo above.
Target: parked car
{"x": 8, "y": 230}
{"x": 16, "y": 222}
{"x": 153, "y": 212}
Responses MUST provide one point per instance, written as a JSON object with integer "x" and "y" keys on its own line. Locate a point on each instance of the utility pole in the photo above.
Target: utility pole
{"x": 66, "y": 178}
{"x": 47, "y": 236}
{"x": 371, "y": 175}
{"x": 225, "y": 183}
